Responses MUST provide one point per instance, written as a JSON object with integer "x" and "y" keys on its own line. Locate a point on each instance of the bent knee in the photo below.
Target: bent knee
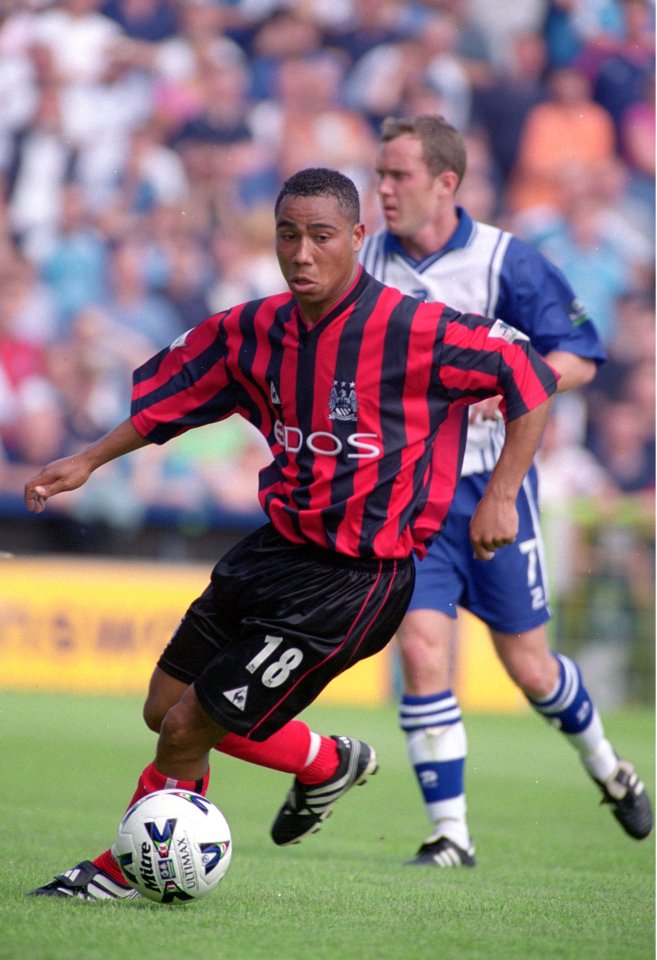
{"x": 164, "y": 691}
{"x": 424, "y": 643}
{"x": 186, "y": 723}
{"x": 153, "y": 715}
{"x": 175, "y": 727}
{"x": 535, "y": 679}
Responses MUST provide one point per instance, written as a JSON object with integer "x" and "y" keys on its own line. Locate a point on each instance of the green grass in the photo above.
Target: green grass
{"x": 556, "y": 879}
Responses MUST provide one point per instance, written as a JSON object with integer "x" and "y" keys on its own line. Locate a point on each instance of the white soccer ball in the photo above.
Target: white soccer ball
{"x": 173, "y": 846}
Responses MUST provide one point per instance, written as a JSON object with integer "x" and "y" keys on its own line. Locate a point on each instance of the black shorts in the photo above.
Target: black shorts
{"x": 277, "y": 622}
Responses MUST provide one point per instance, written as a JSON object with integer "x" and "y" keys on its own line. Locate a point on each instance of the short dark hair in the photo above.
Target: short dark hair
{"x": 322, "y": 182}
{"x": 443, "y": 147}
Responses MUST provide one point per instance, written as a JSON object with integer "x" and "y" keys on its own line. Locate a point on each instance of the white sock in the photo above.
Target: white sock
{"x": 437, "y": 752}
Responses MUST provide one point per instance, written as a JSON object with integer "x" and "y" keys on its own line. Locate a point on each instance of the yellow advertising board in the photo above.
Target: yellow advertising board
{"x": 94, "y": 625}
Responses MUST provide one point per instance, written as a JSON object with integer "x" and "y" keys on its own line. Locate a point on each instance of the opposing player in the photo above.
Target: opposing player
{"x": 433, "y": 250}
{"x": 360, "y": 393}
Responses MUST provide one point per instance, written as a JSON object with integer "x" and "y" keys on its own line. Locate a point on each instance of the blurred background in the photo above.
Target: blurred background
{"x": 142, "y": 144}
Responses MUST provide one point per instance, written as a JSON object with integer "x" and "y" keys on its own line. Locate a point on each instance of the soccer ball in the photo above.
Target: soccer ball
{"x": 173, "y": 846}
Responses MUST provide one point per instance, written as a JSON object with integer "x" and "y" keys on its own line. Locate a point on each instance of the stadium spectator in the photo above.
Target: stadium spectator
{"x": 18, "y": 82}
{"x": 41, "y": 162}
{"x": 76, "y": 45}
{"x": 32, "y": 313}
{"x": 388, "y": 73}
{"x": 186, "y": 277}
{"x": 172, "y": 66}
{"x": 632, "y": 345}
{"x": 91, "y": 367}
{"x": 152, "y": 172}
{"x": 581, "y": 31}
{"x": 371, "y": 23}
{"x": 622, "y": 76}
{"x": 284, "y": 35}
{"x": 637, "y": 147}
{"x": 626, "y": 217}
{"x": 501, "y": 105}
{"x": 626, "y": 447}
{"x": 131, "y": 302}
{"x": 147, "y": 20}
{"x": 30, "y": 425}
{"x": 590, "y": 262}
{"x": 569, "y": 128}
{"x": 307, "y": 122}
{"x": 627, "y": 382}
{"x": 501, "y": 22}
{"x": 472, "y": 44}
{"x": 568, "y": 472}
{"x": 637, "y": 133}
{"x": 203, "y": 474}
{"x": 245, "y": 266}
{"x": 74, "y": 258}
{"x": 222, "y": 156}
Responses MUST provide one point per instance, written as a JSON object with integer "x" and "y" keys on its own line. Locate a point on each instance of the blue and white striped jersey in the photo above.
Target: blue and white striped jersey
{"x": 485, "y": 270}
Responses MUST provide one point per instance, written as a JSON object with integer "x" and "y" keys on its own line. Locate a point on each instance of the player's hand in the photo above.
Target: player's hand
{"x": 494, "y": 524}
{"x": 69, "y": 473}
{"x": 488, "y": 409}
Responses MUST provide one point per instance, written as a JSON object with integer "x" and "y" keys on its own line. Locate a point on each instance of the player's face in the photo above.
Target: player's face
{"x": 317, "y": 248}
{"x": 410, "y": 197}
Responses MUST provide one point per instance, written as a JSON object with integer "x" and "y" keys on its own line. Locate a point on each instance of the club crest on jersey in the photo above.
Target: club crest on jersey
{"x": 506, "y": 332}
{"x": 343, "y": 403}
{"x": 577, "y": 313}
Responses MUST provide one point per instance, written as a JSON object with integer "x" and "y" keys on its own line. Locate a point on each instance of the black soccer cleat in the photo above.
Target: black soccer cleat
{"x": 306, "y": 807}
{"x": 442, "y": 852}
{"x": 626, "y": 794}
{"x": 85, "y": 882}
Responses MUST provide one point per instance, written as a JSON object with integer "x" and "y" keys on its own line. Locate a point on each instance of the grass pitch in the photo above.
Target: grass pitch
{"x": 556, "y": 877}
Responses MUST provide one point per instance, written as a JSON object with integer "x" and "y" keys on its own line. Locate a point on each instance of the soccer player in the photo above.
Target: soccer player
{"x": 432, "y": 249}
{"x": 361, "y": 393}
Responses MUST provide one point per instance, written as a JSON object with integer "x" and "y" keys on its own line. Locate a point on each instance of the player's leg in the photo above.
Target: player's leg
{"x": 430, "y": 716}
{"x": 293, "y": 749}
{"x": 553, "y": 685}
{"x": 429, "y": 712}
{"x": 101, "y": 878}
{"x": 511, "y": 597}
{"x": 306, "y": 615}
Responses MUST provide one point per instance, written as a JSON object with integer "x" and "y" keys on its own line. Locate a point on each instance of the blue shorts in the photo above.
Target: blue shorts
{"x": 509, "y": 592}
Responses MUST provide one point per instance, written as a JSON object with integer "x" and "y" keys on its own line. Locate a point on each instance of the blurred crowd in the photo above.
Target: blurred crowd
{"x": 142, "y": 143}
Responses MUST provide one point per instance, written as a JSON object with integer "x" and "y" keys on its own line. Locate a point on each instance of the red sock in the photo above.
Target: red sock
{"x": 149, "y": 781}
{"x": 286, "y": 750}
{"x": 324, "y": 765}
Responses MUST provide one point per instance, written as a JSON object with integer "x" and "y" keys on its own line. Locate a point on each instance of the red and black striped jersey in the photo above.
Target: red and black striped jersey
{"x": 364, "y": 412}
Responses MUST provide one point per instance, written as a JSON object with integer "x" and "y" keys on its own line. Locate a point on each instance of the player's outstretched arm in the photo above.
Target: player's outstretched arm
{"x": 69, "y": 473}
{"x": 574, "y": 371}
{"x": 495, "y": 520}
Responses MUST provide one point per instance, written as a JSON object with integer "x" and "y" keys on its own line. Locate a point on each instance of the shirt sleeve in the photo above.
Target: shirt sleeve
{"x": 184, "y": 386}
{"x": 536, "y": 298}
{"x": 482, "y": 357}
